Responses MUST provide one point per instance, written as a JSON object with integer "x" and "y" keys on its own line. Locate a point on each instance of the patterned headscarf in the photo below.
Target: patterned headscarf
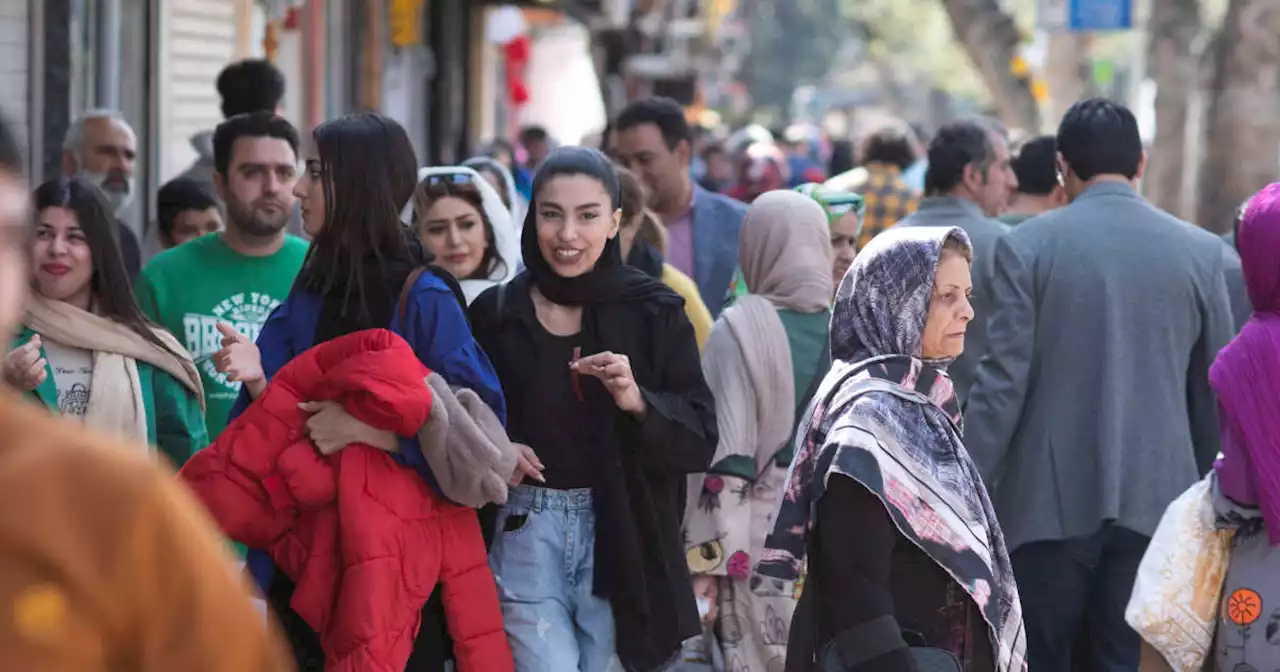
{"x": 836, "y": 203}
{"x": 890, "y": 421}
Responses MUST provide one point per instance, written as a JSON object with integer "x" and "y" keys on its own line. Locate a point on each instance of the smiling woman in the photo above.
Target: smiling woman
{"x": 86, "y": 350}
{"x": 600, "y": 368}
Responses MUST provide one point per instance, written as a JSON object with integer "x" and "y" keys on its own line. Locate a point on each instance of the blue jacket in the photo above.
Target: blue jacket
{"x": 717, "y": 220}
{"x": 437, "y": 330}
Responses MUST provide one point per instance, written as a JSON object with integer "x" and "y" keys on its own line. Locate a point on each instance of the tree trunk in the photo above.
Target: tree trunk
{"x": 991, "y": 39}
{"x": 1242, "y": 137}
{"x": 1174, "y": 65}
{"x": 1068, "y": 72}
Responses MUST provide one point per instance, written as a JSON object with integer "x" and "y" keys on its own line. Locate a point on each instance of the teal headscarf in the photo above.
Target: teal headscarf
{"x": 835, "y": 203}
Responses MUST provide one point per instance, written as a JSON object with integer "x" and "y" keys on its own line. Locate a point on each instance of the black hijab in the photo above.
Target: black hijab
{"x": 618, "y": 302}
{"x": 610, "y": 281}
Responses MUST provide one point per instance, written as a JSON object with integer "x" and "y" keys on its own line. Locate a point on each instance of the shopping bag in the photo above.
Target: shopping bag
{"x": 1175, "y": 598}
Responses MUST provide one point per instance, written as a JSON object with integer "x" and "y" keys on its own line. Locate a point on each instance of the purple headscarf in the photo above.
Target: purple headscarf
{"x": 1246, "y": 374}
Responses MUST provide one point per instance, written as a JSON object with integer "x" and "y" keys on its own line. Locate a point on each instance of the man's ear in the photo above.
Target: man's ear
{"x": 972, "y": 177}
{"x": 684, "y": 152}
{"x": 1142, "y": 167}
{"x": 220, "y": 184}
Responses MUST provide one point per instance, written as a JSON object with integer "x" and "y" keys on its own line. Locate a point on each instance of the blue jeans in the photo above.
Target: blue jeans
{"x": 543, "y": 560}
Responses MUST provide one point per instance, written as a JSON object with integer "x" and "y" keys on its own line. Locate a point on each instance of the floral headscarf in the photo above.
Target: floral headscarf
{"x": 890, "y": 421}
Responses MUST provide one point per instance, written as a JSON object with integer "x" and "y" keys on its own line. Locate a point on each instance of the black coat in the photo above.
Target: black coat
{"x": 677, "y": 437}
{"x": 862, "y": 571}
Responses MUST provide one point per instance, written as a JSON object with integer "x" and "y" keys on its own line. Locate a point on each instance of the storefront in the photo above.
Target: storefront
{"x": 157, "y": 61}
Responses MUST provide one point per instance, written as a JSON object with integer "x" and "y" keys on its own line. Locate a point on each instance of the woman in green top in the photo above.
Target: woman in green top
{"x": 760, "y": 360}
{"x": 844, "y": 216}
{"x": 85, "y": 350}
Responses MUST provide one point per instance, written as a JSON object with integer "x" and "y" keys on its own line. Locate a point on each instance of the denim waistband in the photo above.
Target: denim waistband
{"x": 536, "y": 498}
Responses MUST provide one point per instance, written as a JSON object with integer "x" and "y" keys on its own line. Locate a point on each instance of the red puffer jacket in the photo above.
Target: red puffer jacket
{"x": 364, "y": 539}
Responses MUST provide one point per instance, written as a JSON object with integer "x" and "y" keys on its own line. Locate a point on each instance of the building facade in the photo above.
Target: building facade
{"x": 157, "y": 61}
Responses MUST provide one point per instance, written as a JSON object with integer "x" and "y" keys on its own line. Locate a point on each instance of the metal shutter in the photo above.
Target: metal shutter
{"x": 14, "y": 26}
{"x": 198, "y": 39}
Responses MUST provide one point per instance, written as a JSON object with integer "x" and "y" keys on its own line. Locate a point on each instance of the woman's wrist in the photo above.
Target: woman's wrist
{"x": 383, "y": 440}
{"x": 255, "y": 387}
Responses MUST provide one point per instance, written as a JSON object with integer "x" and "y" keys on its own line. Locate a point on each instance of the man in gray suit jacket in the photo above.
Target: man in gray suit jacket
{"x": 1092, "y": 409}
{"x": 655, "y": 142}
{"x": 969, "y": 181}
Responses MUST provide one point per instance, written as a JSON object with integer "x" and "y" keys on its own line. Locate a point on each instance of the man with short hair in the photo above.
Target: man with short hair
{"x": 655, "y": 142}
{"x": 101, "y": 147}
{"x": 1035, "y": 164}
{"x": 106, "y": 562}
{"x": 1092, "y": 410}
{"x": 186, "y": 210}
{"x": 251, "y": 85}
{"x": 967, "y": 183}
{"x": 884, "y": 155}
{"x": 240, "y": 275}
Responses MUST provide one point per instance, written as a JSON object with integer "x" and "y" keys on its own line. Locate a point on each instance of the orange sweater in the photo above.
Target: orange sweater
{"x": 106, "y": 563}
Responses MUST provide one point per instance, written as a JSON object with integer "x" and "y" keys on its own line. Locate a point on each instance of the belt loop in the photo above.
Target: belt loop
{"x": 537, "y": 499}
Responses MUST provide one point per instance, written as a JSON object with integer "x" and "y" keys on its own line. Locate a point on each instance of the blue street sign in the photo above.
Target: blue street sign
{"x": 1100, "y": 15}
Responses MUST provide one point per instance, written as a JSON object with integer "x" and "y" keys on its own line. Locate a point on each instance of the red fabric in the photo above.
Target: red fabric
{"x": 517, "y": 54}
{"x": 364, "y": 539}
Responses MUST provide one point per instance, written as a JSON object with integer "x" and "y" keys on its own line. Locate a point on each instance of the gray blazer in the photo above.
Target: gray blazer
{"x": 717, "y": 221}
{"x": 983, "y": 233}
{"x": 1093, "y": 402}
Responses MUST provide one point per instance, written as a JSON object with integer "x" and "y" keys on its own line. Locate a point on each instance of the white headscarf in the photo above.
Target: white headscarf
{"x": 518, "y": 204}
{"x": 505, "y": 235}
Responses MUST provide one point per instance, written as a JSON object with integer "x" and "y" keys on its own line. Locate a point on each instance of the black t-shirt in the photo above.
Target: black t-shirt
{"x": 548, "y": 416}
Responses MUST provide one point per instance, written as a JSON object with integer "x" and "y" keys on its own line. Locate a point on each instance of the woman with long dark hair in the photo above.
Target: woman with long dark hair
{"x": 360, "y": 173}
{"x": 600, "y": 367}
{"x": 86, "y": 351}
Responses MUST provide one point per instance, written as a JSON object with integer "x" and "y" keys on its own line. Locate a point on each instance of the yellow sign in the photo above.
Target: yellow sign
{"x": 406, "y": 22}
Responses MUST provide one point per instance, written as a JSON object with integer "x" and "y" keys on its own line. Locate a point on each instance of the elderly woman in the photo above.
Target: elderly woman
{"x": 906, "y": 560}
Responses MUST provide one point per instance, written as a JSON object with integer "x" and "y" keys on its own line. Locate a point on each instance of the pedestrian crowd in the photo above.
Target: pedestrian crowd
{"x": 688, "y": 401}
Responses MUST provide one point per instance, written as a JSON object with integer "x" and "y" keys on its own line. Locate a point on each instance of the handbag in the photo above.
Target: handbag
{"x": 1174, "y": 604}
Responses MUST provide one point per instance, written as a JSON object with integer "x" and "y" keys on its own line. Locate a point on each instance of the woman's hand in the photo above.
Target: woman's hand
{"x": 241, "y": 360}
{"x": 614, "y": 371}
{"x": 707, "y": 587}
{"x": 24, "y": 368}
{"x": 331, "y": 429}
{"x": 527, "y": 466}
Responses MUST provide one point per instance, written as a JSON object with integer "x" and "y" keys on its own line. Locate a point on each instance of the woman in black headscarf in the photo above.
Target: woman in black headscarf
{"x": 602, "y": 377}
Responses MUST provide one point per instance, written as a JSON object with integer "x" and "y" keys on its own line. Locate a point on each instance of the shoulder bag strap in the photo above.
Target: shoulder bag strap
{"x": 402, "y": 306}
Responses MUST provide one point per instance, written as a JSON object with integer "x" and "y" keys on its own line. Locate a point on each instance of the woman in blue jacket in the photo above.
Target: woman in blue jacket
{"x": 359, "y": 174}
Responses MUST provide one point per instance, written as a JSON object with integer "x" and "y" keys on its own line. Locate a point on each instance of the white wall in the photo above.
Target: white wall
{"x": 564, "y": 89}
